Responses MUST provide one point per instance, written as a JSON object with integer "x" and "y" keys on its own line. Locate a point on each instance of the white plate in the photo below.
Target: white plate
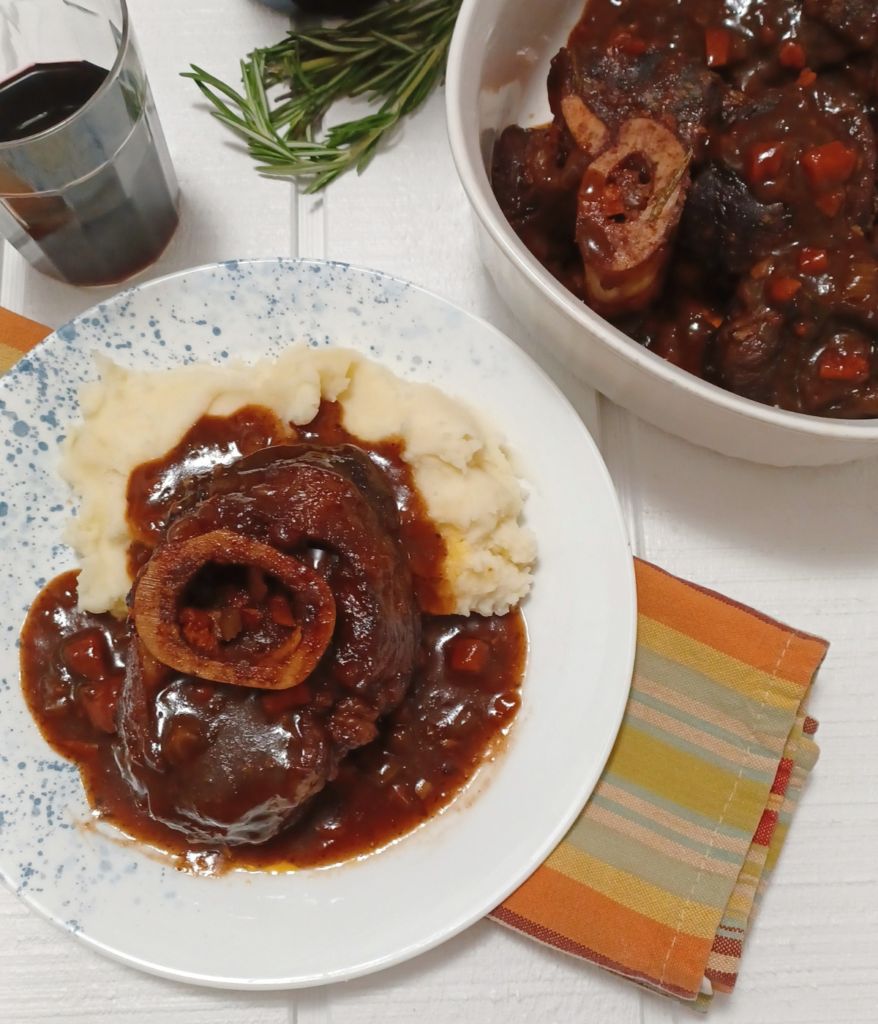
{"x": 262, "y": 930}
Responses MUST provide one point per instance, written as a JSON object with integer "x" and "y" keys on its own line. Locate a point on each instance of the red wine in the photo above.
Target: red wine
{"x": 44, "y": 95}
{"x": 110, "y": 222}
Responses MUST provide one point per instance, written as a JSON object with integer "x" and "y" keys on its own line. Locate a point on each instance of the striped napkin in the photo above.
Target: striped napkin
{"x": 662, "y": 873}
{"x": 17, "y": 336}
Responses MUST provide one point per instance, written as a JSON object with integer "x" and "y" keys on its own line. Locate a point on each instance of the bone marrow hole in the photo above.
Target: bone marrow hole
{"x": 231, "y": 611}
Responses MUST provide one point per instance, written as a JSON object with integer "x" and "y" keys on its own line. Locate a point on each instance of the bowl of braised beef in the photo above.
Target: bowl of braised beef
{"x": 679, "y": 199}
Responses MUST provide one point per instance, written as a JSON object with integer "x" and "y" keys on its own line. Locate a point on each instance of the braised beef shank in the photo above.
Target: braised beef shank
{"x": 744, "y": 249}
{"x": 228, "y": 762}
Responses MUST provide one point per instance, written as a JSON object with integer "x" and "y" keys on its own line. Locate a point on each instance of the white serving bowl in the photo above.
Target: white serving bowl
{"x": 496, "y": 76}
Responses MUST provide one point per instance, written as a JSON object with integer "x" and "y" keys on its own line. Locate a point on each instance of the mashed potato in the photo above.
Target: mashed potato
{"x": 457, "y": 457}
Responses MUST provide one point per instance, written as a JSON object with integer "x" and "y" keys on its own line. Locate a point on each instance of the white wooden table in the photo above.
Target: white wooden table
{"x": 801, "y": 545}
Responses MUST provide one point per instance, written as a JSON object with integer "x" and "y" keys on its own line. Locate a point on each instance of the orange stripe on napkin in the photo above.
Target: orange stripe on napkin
{"x": 729, "y": 627}
{"x": 17, "y": 336}
{"x": 19, "y": 333}
{"x": 602, "y": 930}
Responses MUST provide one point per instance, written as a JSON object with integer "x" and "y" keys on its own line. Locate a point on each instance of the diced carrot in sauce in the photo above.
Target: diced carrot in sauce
{"x": 782, "y": 289}
{"x": 791, "y": 55}
{"x": 829, "y": 165}
{"x": 717, "y": 43}
{"x": 806, "y": 78}
{"x": 88, "y": 655}
{"x": 813, "y": 261}
{"x": 99, "y": 702}
{"x": 760, "y": 270}
{"x": 277, "y": 702}
{"x": 830, "y": 202}
{"x": 836, "y": 365}
{"x": 199, "y": 629}
{"x": 469, "y": 655}
{"x": 280, "y": 612}
{"x": 697, "y": 312}
{"x": 764, "y": 161}
{"x": 251, "y": 617}
{"x": 715, "y": 320}
{"x": 423, "y": 788}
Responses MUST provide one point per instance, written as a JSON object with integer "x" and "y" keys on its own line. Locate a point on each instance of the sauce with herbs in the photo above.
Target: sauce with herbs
{"x": 708, "y": 184}
{"x": 463, "y": 694}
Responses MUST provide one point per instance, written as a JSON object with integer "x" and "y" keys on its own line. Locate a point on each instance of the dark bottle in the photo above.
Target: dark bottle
{"x": 323, "y": 8}
{"x": 344, "y": 8}
{"x": 88, "y": 199}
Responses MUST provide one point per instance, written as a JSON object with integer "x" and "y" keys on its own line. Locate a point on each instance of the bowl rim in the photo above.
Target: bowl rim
{"x": 462, "y": 75}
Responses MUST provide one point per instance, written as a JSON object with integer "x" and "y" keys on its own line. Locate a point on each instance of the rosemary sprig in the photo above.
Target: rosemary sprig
{"x": 666, "y": 193}
{"x": 394, "y": 53}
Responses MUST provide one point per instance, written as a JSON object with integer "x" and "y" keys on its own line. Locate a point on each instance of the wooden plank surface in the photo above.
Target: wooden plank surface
{"x": 801, "y": 545}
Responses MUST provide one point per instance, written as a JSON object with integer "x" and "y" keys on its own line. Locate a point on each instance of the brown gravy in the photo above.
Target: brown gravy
{"x": 463, "y": 695}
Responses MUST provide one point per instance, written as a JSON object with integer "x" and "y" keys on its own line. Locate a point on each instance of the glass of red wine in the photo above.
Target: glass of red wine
{"x": 87, "y": 189}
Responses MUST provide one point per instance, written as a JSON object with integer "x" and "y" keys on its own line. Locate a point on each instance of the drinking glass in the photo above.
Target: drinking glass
{"x": 87, "y": 189}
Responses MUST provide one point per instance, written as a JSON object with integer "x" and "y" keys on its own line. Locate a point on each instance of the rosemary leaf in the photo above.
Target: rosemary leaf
{"x": 394, "y": 54}
{"x": 666, "y": 193}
